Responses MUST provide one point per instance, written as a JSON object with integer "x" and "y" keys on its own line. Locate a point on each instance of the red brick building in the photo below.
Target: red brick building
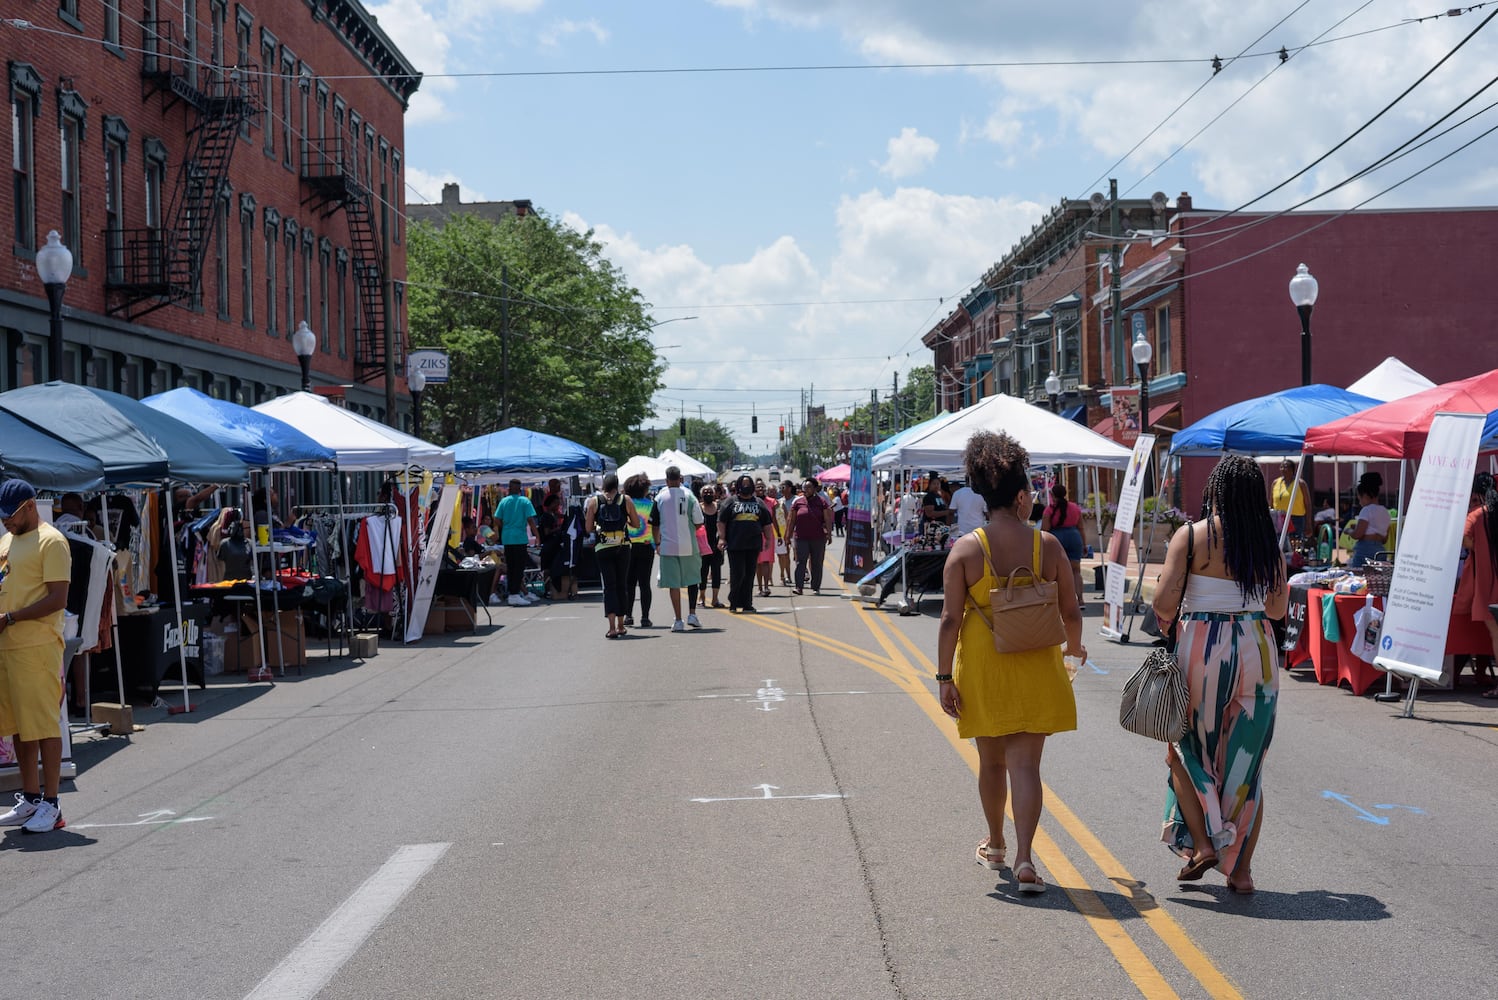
{"x": 1210, "y": 293}
{"x": 222, "y": 172}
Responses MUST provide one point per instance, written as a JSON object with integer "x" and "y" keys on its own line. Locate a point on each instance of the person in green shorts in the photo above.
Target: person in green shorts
{"x": 673, "y": 524}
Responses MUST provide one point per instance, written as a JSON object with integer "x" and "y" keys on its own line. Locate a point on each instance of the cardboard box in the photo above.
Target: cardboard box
{"x": 119, "y": 718}
{"x": 363, "y": 645}
{"x": 448, "y": 614}
{"x": 288, "y": 630}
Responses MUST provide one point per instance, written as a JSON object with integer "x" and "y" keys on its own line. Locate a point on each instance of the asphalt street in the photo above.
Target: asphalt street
{"x": 772, "y": 806}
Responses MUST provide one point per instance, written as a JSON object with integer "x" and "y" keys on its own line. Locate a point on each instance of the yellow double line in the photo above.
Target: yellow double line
{"x": 899, "y": 668}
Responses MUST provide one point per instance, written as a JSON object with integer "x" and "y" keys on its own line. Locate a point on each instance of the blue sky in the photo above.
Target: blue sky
{"x": 730, "y": 196}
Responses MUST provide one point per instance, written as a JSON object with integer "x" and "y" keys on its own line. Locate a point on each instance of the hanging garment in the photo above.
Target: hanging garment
{"x": 378, "y": 553}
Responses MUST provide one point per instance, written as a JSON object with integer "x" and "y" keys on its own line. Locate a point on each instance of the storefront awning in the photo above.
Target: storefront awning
{"x": 1077, "y": 413}
{"x": 1105, "y": 426}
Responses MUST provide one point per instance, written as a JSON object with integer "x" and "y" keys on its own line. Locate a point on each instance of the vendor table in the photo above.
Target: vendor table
{"x": 465, "y": 585}
{"x": 1334, "y": 662}
{"x": 148, "y": 651}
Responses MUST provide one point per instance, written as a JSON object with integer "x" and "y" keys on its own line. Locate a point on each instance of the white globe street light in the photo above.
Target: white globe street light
{"x": 1303, "y": 291}
{"x": 304, "y": 343}
{"x": 1053, "y": 390}
{"x": 54, "y": 265}
{"x": 416, "y": 381}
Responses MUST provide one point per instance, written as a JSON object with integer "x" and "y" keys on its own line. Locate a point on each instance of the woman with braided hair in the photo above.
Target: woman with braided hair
{"x": 1478, "y": 586}
{"x": 1214, "y": 807}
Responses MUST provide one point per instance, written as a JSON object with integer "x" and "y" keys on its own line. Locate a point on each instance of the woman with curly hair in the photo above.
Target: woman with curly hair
{"x": 1214, "y": 807}
{"x": 1008, "y": 702}
{"x": 1478, "y": 585}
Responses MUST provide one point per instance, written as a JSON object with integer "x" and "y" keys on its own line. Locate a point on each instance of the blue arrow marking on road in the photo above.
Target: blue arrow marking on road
{"x": 1095, "y": 668}
{"x": 1414, "y": 809}
{"x": 1362, "y": 813}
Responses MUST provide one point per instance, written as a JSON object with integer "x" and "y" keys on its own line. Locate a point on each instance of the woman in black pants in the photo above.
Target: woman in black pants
{"x": 744, "y": 528}
{"x": 608, "y": 518}
{"x": 641, "y": 552}
{"x": 712, "y": 562}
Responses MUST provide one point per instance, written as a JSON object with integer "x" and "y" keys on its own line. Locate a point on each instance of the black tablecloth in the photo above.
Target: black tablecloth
{"x": 148, "y": 651}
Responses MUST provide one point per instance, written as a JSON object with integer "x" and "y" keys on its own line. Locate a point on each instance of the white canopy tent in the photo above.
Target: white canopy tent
{"x": 652, "y": 468}
{"x": 361, "y": 444}
{"x": 688, "y": 465}
{"x": 1050, "y": 439}
{"x": 1392, "y": 379}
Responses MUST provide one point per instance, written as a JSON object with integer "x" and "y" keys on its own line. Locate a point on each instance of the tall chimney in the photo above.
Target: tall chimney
{"x": 450, "y": 195}
{"x": 1183, "y": 203}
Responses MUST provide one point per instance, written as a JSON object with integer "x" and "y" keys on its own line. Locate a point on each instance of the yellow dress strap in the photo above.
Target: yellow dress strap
{"x": 1035, "y": 559}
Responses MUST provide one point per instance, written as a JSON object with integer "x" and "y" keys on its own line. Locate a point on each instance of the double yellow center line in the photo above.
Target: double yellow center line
{"x": 901, "y": 670}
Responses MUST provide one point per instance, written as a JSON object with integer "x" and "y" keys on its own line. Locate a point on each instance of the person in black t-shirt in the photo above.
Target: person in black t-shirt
{"x": 744, "y": 528}
{"x": 936, "y": 506}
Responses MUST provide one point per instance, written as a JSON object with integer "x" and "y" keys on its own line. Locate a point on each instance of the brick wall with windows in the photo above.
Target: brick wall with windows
{"x": 93, "y": 158}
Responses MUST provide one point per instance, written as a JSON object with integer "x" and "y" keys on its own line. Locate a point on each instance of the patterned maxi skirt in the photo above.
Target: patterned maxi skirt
{"x": 1232, "y": 670}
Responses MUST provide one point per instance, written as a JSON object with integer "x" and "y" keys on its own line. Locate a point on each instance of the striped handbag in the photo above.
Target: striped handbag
{"x": 1155, "y": 698}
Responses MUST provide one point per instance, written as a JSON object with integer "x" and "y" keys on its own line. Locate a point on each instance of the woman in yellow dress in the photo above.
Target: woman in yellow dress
{"x": 1280, "y": 493}
{"x": 1008, "y": 702}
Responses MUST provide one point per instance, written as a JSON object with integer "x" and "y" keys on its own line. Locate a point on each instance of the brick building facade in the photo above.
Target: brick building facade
{"x": 1210, "y": 294}
{"x": 222, "y": 172}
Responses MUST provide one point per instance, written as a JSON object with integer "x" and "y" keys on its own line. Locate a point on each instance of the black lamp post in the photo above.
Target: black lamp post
{"x": 1053, "y": 390}
{"x": 54, "y": 265}
{"x": 1303, "y": 289}
{"x": 304, "y": 343}
{"x": 1143, "y": 353}
{"x": 416, "y": 381}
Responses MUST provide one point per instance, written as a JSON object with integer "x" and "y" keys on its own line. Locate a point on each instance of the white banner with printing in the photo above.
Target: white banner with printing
{"x": 1117, "y": 559}
{"x": 1417, "y": 611}
{"x": 440, "y": 520}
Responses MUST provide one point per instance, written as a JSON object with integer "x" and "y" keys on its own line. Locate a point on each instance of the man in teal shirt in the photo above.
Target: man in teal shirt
{"x": 517, "y": 521}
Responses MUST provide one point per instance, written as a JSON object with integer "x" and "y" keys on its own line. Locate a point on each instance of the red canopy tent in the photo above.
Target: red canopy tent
{"x": 836, "y": 474}
{"x": 1398, "y": 429}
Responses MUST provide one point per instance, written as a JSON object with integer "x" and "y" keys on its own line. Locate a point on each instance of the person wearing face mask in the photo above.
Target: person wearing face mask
{"x": 744, "y": 529}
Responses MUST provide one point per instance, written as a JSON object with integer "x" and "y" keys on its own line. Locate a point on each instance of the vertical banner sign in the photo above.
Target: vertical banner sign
{"x": 1117, "y": 560}
{"x": 431, "y": 559}
{"x": 1417, "y": 611}
{"x": 858, "y": 552}
{"x": 1125, "y": 415}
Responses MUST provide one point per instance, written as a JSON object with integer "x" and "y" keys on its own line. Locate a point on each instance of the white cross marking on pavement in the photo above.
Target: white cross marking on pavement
{"x": 767, "y": 789}
{"x": 157, "y": 817}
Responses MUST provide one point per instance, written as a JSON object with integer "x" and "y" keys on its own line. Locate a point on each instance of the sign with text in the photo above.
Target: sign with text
{"x": 858, "y": 552}
{"x": 431, "y": 559}
{"x": 1417, "y": 612}
{"x": 431, "y": 362}
{"x": 1115, "y": 584}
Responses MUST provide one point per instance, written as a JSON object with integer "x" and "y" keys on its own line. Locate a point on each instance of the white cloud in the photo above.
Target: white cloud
{"x": 910, "y": 243}
{"x": 908, "y": 154}
{"x": 425, "y": 41}
{"x": 552, "y": 36}
{"x": 422, "y": 186}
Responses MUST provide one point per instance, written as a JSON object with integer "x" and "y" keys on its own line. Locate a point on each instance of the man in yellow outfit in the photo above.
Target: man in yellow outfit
{"x": 35, "y": 566}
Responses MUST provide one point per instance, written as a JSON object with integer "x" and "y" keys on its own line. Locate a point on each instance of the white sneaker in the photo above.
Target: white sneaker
{"x": 692, "y": 621}
{"x": 495, "y": 599}
{"x": 532, "y": 598}
{"x": 20, "y": 814}
{"x": 517, "y": 601}
{"x": 677, "y": 626}
{"x": 46, "y": 819}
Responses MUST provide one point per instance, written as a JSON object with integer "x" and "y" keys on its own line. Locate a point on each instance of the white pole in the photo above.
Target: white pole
{"x": 171, "y": 534}
{"x": 119, "y": 665}
{"x": 1294, "y": 491}
{"x": 249, "y": 506}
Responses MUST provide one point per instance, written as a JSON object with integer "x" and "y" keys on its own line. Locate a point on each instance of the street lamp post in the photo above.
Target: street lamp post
{"x": 416, "y": 381}
{"x": 1053, "y": 390}
{"x": 304, "y": 343}
{"x": 1303, "y": 291}
{"x": 54, "y": 265}
{"x": 1143, "y": 353}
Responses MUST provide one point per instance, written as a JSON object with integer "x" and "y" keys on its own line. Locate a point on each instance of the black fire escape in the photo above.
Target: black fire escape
{"x": 336, "y": 179}
{"x": 163, "y": 263}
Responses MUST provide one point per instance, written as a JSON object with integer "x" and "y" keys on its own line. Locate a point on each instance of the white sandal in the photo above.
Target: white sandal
{"x": 991, "y": 858}
{"x": 1035, "y": 887}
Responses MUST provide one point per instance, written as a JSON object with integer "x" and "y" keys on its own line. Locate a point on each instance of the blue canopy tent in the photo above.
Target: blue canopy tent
{"x": 255, "y": 438}
{"x": 135, "y": 444}
{"x": 516, "y": 451}
{"x": 1275, "y": 424}
{"x": 46, "y": 462}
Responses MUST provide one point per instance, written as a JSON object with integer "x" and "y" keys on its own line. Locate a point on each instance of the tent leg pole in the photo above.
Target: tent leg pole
{"x": 171, "y": 533}
{"x": 249, "y": 506}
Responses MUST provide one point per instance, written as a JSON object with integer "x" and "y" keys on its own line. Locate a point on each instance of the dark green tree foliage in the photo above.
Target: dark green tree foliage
{"x": 581, "y": 362}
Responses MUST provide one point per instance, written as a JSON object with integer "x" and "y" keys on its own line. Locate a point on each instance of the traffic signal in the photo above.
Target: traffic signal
{"x": 845, "y": 425}
{"x": 683, "y": 426}
{"x": 782, "y": 432}
{"x": 754, "y": 425}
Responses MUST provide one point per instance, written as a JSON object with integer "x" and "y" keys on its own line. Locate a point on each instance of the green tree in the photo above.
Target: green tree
{"x": 581, "y": 364}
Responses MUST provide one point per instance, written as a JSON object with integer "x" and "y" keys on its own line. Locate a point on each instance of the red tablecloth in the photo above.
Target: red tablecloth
{"x": 1334, "y": 662}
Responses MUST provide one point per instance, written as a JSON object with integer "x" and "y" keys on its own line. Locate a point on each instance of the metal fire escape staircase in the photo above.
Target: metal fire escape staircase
{"x": 334, "y": 179}
{"x": 157, "y": 266}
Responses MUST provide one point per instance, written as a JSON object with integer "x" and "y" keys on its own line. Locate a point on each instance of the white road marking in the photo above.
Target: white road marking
{"x": 158, "y": 817}
{"x": 314, "y": 962}
{"x": 767, "y": 789}
{"x": 561, "y": 618}
{"x": 768, "y": 695}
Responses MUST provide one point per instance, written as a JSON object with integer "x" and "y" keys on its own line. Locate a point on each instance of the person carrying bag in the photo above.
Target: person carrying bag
{"x": 1000, "y": 668}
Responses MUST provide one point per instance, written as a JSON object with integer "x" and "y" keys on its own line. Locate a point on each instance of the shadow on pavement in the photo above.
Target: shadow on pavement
{"x": 1266, "y": 904}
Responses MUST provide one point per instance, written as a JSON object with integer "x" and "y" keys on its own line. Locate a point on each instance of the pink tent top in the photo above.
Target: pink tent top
{"x": 836, "y": 474}
{"x": 1398, "y": 429}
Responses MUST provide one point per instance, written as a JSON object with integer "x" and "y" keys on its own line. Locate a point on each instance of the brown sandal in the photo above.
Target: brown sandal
{"x": 1196, "y": 868}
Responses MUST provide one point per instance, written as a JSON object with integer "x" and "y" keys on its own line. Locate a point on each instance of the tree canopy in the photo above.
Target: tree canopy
{"x": 581, "y": 363}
